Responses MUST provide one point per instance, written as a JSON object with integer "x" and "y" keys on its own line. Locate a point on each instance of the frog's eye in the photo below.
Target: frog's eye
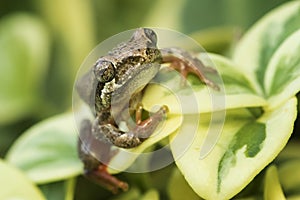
{"x": 104, "y": 71}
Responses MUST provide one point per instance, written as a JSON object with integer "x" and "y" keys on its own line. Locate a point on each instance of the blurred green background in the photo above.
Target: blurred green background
{"x": 43, "y": 43}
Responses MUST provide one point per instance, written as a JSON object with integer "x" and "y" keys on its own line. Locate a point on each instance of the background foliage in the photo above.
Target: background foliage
{"x": 43, "y": 43}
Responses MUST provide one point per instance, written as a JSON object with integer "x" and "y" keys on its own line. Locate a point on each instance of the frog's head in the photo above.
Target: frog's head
{"x": 129, "y": 67}
{"x": 141, "y": 46}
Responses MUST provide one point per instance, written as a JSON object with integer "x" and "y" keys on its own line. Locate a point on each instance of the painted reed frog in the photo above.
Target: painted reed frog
{"x": 113, "y": 90}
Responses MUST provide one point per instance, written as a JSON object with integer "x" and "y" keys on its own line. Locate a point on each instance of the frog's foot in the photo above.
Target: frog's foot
{"x": 102, "y": 177}
{"x": 185, "y": 63}
{"x": 146, "y": 127}
{"x": 134, "y": 136}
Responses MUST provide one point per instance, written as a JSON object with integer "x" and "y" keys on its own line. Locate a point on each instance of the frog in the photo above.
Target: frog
{"x": 113, "y": 90}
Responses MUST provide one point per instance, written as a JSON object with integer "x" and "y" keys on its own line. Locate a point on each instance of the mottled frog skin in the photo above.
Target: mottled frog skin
{"x": 113, "y": 90}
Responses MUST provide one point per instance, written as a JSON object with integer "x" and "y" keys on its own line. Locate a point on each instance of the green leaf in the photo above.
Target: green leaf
{"x": 59, "y": 190}
{"x": 24, "y": 46}
{"x": 158, "y": 19}
{"x": 73, "y": 28}
{"x": 215, "y": 39}
{"x": 133, "y": 193}
{"x": 47, "y": 152}
{"x": 53, "y": 191}
{"x": 272, "y": 187}
{"x": 289, "y": 175}
{"x": 254, "y": 51}
{"x": 290, "y": 151}
{"x": 294, "y": 197}
{"x": 251, "y": 136}
{"x": 283, "y": 72}
{"x": 246, "y": 146}
{"x": 150, "y": 195}
{"x": 179, "y": 189}
{"x": 15, "y": 185}
{"x": 236, "y": 90}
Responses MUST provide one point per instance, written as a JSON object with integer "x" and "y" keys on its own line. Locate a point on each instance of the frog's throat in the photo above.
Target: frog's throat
{"x": 135, "y": 83}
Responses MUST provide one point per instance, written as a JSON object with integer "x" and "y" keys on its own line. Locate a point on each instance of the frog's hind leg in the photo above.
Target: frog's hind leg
{"x": 103, "y": 178}
{"x": 134, "y": 136}
{"x": 95, "y": 170}
{"x": 186, "y": 63}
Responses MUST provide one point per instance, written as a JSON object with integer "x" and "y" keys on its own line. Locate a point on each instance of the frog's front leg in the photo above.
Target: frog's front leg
{"x": 185, "y": 63}
{"x": 134, "y": 136}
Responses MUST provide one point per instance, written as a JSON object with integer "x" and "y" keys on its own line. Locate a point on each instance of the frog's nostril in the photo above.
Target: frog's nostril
{"x": 104, "y": 71}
